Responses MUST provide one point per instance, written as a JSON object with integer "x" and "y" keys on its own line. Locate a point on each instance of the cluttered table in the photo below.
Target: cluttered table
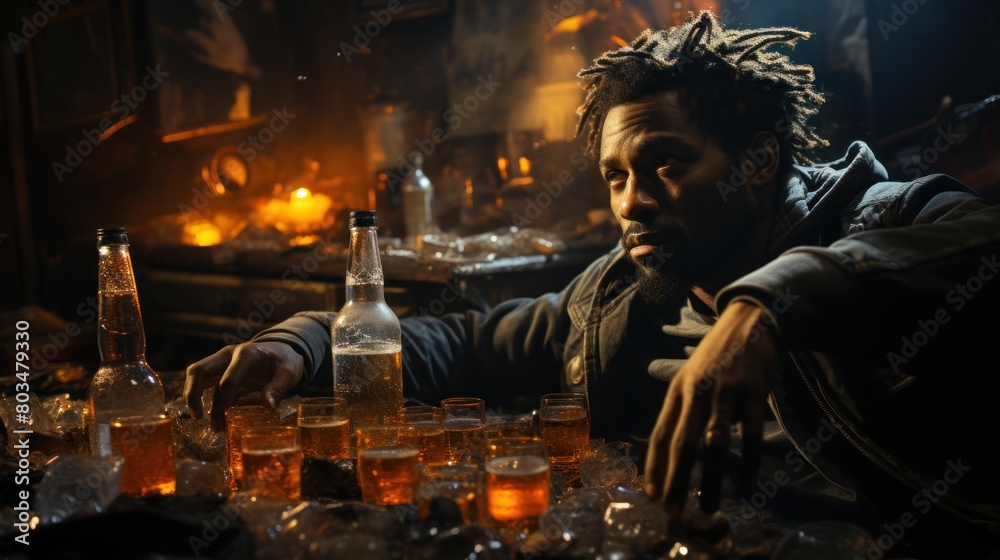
{"x": 76, "y": 510}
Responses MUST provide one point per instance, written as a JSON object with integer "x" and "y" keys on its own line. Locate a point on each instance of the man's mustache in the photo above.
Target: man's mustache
{"x": 637, "y": 234}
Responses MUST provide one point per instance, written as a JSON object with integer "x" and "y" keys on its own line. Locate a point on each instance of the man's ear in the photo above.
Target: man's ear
{"x": 764, "y": 153}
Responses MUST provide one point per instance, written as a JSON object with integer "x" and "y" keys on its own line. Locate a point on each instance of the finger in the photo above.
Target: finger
{"x": 716, "y": 450}
{"x": 200, "y": 374}
{"x": 752, "y": 444}
{"x": 658, "y": 454}
{"x": 285, "y": 377}
{"x": 683, "y": 454}
{"x": 246, "y": 358}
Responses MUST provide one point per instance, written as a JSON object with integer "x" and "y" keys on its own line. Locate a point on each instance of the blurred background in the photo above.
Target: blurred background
{"x": 232, "y": 138}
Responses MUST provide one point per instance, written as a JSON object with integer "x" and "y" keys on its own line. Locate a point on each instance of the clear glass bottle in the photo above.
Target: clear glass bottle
{"x": 125, "y": 397}
{"x": 418, "y": 203}
{"x": 367, "y": 340}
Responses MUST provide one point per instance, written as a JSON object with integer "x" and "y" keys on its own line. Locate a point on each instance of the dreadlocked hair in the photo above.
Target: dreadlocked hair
{"x": 729, "y": 77}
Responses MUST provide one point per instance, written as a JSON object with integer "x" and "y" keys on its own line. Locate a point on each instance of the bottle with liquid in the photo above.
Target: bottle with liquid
{"x": 125, "y": 398}
{"x": 367, "y": 340}
{"x": 418, "y": 201}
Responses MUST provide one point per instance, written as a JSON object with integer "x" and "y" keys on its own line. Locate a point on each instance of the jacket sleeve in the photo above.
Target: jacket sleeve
{"x": 513, "y": 349}
{"x": 912, "y": 249}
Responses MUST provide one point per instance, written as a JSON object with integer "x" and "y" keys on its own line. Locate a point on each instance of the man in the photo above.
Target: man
{"x": 855, "y": 309}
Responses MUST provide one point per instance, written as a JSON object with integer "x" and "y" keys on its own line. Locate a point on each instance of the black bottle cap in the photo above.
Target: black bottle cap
{"x": 363, "y": 218}
{"x": 112, "y": 236}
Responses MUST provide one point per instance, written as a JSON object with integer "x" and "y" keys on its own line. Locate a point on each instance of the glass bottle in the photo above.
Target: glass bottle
{"x": 418, "y": 201}
{"x": 125, "y": 397}
{"x": 367, "y": 347}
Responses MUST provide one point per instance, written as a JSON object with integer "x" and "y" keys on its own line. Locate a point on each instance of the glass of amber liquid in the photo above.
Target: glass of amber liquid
{"x": 461, "y": 483}
{"x": 421, "y": 428}
{"x": 565, "y": 426}
{"x": 387, "y": 469}
{"x": 464, "y": 429}
{"x": 147, "y": 445}
{"x": 239, "y": 420}
{"x": 517, "y": 481}
{"x": 325, "y": 427}
{"x": 272, "y": 462}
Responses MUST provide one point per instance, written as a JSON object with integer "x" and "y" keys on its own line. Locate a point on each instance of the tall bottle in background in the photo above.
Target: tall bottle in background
{"x": 418, "y": 201}
{"x": 367, "y": 341}
{"x": 125, "y": 397}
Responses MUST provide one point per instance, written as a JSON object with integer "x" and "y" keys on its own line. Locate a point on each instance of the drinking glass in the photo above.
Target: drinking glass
{"x": 387, "y": 469}
{"x": 239, "y": 419}
{"x": 565, "y": 425}
{"x": 421, "y": 428}
{"x": 463, "y": 426}
{"x": 272, "y": 462}
{"x": 147, "y": 445}
{"x": 461, "y": 483}
{"x": 325, "y": 427}
{"x": 517, "y": 481}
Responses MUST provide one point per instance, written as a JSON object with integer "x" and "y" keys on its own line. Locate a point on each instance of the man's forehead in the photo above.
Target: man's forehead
{"x": 661, "y": 112}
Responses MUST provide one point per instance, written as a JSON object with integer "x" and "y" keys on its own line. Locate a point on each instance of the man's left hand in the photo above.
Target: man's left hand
{"x": 725, "y": 382}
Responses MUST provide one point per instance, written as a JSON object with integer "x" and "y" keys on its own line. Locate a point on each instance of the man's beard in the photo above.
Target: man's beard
{"x": 657, "y": 288}
{"x": 661, "y": 278}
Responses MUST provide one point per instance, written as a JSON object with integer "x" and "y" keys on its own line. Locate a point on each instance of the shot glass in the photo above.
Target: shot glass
{"x": 421, "y": 428}
{"x": 387, "y": 469}
{"x": 272, "y": 462}
{"x": 464, "y": 429}
{"x": 565, "y": 425}
{"x": 517, "y": 481}
{"x": 325, "y": 427}
{"x": 239, "y": 420}
{"x": 460, "y": 483}
{"x": 509, "y": 426}
{"x": 147, "y": 445}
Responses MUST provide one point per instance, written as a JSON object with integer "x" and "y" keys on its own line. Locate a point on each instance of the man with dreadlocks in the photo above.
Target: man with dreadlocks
{"x": 817, "y": 318}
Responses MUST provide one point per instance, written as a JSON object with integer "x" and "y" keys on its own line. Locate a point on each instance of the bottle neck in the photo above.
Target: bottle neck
{"x": 120, "y": 335}
{"x": 365, "y": 281}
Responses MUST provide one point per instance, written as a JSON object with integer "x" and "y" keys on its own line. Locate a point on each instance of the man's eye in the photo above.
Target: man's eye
{"x": 614, "y": 177}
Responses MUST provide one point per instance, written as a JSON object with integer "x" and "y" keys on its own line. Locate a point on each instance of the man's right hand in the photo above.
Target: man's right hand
{"x": 269, "y": 367}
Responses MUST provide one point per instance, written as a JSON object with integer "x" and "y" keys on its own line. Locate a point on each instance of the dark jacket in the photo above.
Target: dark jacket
{"x": 863, "y": 287}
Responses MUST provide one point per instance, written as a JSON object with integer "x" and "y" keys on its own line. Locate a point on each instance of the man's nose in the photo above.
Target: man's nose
{"x": 637, "y": 202}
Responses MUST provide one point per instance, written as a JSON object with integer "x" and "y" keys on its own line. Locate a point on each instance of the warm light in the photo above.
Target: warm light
{"x": 202, "y": 233}
{"x": 524, "y": 166}
{"x": 502, "y": 165}
{"x": 301, "y": 194}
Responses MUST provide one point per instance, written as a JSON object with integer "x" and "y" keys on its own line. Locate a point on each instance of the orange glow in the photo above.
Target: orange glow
{"x": 202, "y": 233}
{"x": 502, "y": 165}
{"x": 524, "y": 166}
{"x": 303, "y": 212}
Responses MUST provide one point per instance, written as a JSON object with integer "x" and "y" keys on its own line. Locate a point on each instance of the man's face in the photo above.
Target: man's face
{"x": 663, "y": 172}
